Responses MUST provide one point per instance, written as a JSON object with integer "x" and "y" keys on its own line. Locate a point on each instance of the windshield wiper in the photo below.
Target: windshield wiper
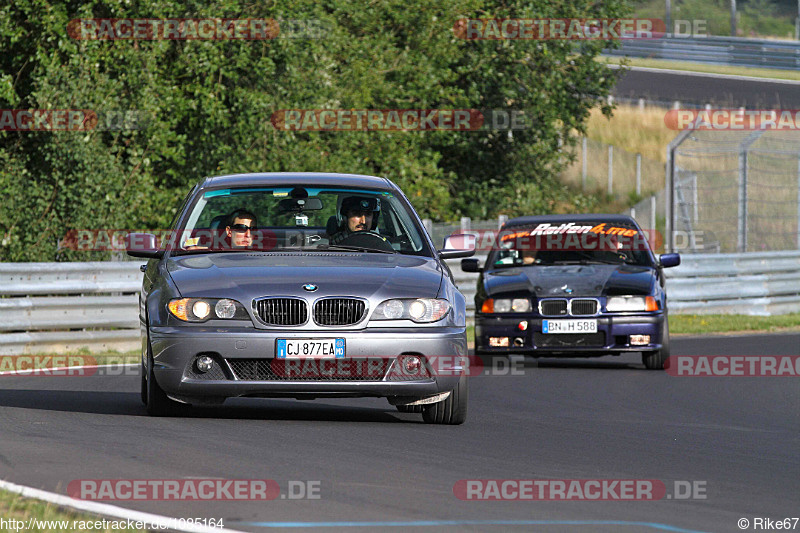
{"x": 354, "y": 248}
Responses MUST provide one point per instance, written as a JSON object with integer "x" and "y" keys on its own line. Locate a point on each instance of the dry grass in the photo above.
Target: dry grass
{"x": 630, "y": 130}
{"x": 634, "y": 130}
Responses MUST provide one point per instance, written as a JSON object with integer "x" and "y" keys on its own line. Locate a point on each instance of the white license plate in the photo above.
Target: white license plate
{"x": 569, "y": 326}
{"x": 309, "y": 349}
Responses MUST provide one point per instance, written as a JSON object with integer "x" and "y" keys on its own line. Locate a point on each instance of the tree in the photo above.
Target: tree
{"x": 204, "y": 108}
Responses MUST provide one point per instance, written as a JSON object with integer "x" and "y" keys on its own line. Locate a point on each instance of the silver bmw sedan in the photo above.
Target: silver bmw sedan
{"x": 301, "y": 285}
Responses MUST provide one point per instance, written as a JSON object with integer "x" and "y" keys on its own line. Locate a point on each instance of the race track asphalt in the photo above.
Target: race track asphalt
{"x": 380, "y": 470}
{"x": 702, "y": 89}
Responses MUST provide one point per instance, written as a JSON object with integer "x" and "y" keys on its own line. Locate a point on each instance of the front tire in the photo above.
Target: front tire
{"x": 452, "y": 410}
{"x": 656, "y": 359}
{"x": 157, "y": 402}
{"x": 409, "y": 408}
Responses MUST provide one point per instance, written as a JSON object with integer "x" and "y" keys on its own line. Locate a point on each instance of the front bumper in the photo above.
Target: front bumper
{"x": 613, "y": 335}
{"x": 175, "y": 350}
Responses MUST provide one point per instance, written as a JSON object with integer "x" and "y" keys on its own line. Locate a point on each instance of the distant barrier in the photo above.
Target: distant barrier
{"x": 58, "y": 307}
{"x": 733, "y": 51}
{"x": 746, "y": 284}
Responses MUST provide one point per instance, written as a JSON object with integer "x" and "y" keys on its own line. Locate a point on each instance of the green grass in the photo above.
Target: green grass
{"x": 761, "y": 19}
{"x": 15, "y": 507}
{"x": 710, "y": 69}
{"x": 704, "y": 324}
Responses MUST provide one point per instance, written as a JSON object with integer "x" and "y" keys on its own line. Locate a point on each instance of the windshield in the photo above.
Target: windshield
{"x": 551, "y": 243}
{"x": 307, "y": 218}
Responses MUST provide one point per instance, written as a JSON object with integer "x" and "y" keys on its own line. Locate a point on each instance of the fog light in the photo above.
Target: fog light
{"x": 498, "y": 342}
{"x": 204, "y": 364}
{"x": 412, "y": 364}
{"x": 640, "y": 340}
{"x": 519, "y": 341}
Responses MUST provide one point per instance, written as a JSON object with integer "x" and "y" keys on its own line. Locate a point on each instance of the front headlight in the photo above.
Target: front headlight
{"x": 505, "y": 305}
{"x": 632, "y": 303}
{"x": 418, "y": 309}
{"x": 202, "y": 309}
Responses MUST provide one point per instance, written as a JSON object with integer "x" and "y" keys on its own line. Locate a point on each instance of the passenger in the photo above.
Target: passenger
{"x": 240, "y": 229}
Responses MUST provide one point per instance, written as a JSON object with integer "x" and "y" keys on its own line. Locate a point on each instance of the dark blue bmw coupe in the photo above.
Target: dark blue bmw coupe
{"x": 572, "y": 285}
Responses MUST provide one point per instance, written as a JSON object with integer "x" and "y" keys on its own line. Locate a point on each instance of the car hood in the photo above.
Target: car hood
{"x": 244, "y": 276}
{"x": 572, "y": 280}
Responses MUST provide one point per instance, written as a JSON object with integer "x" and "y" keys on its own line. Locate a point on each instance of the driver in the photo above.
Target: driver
{"x": 360, "y": 213}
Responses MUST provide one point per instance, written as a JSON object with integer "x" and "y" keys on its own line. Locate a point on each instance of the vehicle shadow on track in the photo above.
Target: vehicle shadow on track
{"x": 129, "y": 404}
{"x": 491, "y": 362}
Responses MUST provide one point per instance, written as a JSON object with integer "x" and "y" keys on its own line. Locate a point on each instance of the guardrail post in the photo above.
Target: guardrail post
{"x": 428, "y": 223}
{"x": 501, "y": 219}
{"x": 610, "y": 169}
{"x": 465, "y": 224}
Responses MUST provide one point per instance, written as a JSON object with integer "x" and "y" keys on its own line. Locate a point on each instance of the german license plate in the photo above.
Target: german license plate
{"x": 569, "y": 326}
{"x": 309, "y": 348}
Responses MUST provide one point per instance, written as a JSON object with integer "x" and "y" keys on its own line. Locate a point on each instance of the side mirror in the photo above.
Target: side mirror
{"x": 455, "y": 246}
{"x": 670, "y": 260}
{"x": 142, "y": 245}
{"x": 471, "y": 265}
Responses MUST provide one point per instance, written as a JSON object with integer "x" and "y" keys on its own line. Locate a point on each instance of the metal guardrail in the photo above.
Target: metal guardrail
{"x": 57, "y": 307}
{"x": 748, "y": 284}
{"x": 715, "y": 50}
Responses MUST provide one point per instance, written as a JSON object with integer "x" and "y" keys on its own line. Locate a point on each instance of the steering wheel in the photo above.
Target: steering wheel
{"x": 368, "y": 239}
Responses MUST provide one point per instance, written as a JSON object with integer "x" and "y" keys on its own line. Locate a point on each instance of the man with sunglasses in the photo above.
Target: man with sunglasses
{"x": 241, "y": 228}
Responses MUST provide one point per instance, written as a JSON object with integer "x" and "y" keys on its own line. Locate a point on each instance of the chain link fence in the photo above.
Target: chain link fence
{"x": 606, "y": 169}
{"x": 734, "y": 191}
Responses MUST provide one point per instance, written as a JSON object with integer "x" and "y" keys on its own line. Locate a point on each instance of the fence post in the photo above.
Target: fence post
{"x": 653, "y": 207}
{"x": 798, "y": 198}
{"x": 465, "y": 224}
{"x": 610, "y": 169}
{"x": 741, "y": 243}
{"x": 428, "y": 224}
{"x": 638, "y": 174}
{"x": 501, "y": 219}
{"x": 583, "y": 171}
